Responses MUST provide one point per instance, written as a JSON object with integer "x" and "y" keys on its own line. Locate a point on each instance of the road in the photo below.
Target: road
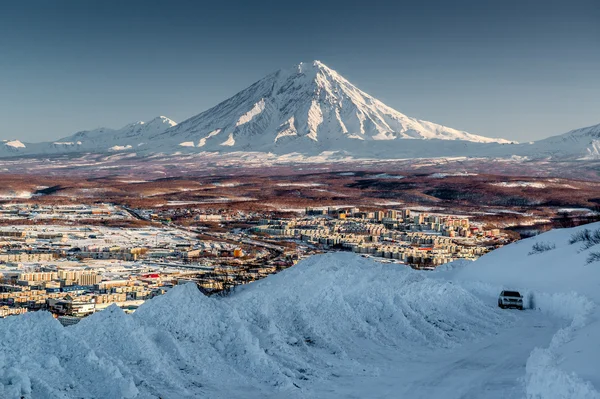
{"x": 491, "y": 367}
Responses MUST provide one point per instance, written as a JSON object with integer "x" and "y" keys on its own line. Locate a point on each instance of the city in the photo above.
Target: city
{"x": 82, "y": 266}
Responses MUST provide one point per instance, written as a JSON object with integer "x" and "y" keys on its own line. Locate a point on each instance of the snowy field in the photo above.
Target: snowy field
{"x": 112, "y": 236}
{"x": 335, "y": 325}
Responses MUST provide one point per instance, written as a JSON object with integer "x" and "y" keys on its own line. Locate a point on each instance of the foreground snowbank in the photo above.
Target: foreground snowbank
{"x": 556, "y": 276}
{"x": 331, "y": 315}
{"x": 304, "y": 324}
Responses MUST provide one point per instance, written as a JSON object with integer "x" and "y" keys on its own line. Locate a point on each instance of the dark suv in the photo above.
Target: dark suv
{"x": 510, "y": 299}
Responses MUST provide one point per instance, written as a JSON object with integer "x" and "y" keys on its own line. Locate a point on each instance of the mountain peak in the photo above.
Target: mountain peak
{"x": 309, "y": 108}
{"x": 310, "y": 70}
{"x": 316, "y": 65}
{"x": 162, "y": 120}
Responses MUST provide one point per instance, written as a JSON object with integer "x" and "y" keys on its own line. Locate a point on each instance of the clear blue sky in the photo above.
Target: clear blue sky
{"x": 518, "y": 69}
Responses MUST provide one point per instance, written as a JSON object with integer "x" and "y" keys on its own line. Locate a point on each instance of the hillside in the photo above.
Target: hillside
{"x": 335, "y": 325}
{"x": 581, "y": 143}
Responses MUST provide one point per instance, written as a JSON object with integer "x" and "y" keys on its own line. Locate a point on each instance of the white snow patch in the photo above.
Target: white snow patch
{"x": 14, "y": 144}
{"x": 520, "y": 184}
{"x": 444, "y": 175}
{"x": 120, "y": 147}
{"x": 248, "y": 116}
{"x": 386, "y": 176}
{"x": 315, "y": 118}
{"x": 560, "y": 282}
{"x": 296, "y": 328}
{"x": 287, "y": 129}
{"x": 299, "y": 184}
{"x": 230, "y": 141}
{"x": 202, "y": 141}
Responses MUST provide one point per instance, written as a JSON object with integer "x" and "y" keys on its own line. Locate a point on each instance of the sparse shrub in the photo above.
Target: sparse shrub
{"x": 580, "y": 236}
{"x": 593, "y": 257}
{"x": 541, "y": 246}
{"x": 587, "y": 237}
{"x": 594, "y": 240}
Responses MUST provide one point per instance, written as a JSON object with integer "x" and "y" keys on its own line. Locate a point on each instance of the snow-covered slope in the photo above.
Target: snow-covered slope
{"x": 12, "y": 146}
{"x": 581, "y": 143}
{"x": 133, "y": 135}
{"x": 559, "y": 272}
{"x": 102, "y": 140}
{"x": 336, "y": 325}
{"x": 307, "y": 109}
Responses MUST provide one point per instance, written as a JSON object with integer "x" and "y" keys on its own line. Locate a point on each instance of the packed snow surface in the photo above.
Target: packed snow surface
{"x": 561, "y": 274}
{"x": 335, "y": 325}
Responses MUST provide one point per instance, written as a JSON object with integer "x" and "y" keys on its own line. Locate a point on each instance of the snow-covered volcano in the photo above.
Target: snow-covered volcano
{"x": 307, "y": 108}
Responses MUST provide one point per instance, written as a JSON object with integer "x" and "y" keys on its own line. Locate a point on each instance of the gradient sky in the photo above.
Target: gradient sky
{"x": 518, "y": 69}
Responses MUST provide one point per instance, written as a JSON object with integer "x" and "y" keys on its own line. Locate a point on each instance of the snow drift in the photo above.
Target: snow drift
{"x": 283, "y": 333}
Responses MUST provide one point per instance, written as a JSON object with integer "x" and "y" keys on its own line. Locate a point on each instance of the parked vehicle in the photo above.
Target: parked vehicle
{"x": 510, "y": 299}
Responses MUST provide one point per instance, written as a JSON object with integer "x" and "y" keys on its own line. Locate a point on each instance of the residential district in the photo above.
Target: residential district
{"x": 82, "y": 265}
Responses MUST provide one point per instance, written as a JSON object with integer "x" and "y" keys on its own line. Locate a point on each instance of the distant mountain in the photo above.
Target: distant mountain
{"x": 132, "y": 135}
{"x": 307, "y": 109}
{"x": 581, "y": 143}
{"x": 99, "y": 140}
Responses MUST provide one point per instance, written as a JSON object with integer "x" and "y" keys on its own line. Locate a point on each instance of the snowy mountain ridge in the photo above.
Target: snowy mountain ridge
{"x": 101, "y": 140}
{"x": 583, "y": 142}
{"x": 132, "y": 134}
